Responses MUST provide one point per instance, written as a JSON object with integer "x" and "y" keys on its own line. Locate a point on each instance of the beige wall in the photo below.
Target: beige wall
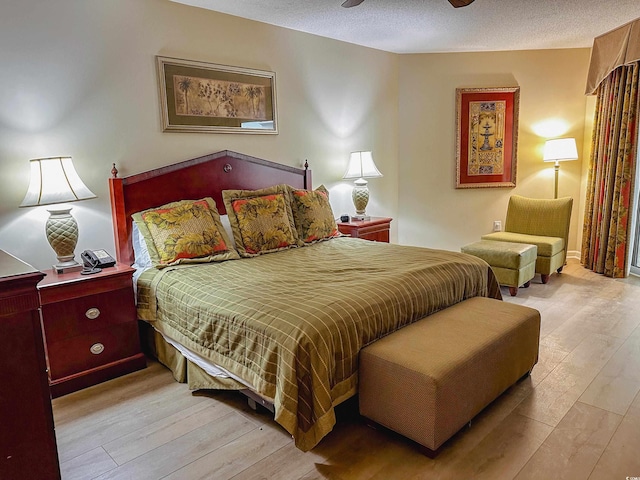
{"x": 78, "y": 78}
{"x": 432, "y": 211}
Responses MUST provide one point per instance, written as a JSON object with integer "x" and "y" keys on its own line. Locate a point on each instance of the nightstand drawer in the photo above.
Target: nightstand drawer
{"x": 374, "y": 232}
{"x": 92, "y": 350}
{"x": 83, "y": 315}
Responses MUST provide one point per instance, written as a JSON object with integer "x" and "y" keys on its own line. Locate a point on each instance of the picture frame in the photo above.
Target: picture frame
{"x": 209, "y": 98}
{"x": 486, "y": 136}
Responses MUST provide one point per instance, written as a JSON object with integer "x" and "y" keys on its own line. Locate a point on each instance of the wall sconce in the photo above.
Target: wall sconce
{"x": 559, "y": 150}
{"x": 361, "y": 166}
{"x": 54, "y": 180}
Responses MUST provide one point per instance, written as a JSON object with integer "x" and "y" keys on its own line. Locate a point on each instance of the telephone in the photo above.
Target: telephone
{"x": 95, "y": 260}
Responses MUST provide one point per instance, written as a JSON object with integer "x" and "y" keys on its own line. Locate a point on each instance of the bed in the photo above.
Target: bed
{"x": 285, "y": 326}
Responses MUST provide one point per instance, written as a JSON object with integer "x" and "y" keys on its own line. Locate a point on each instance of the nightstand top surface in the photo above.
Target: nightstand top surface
{"x": 371, "y": 221}
{"x": 52, "y": 278}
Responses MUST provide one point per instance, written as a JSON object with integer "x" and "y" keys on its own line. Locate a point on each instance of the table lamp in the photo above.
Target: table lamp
{"x": 361, "y": 166}
{"x": 54, "y": 180}
{"x": 559, "y": 150}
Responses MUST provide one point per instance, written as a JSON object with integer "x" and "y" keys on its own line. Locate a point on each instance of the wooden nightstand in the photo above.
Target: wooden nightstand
{"x": 376, "y": 229}
{"x": 90, "y": 327}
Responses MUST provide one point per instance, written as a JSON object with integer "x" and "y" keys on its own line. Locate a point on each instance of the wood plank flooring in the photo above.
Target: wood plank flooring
{"x": 576, "y": 417}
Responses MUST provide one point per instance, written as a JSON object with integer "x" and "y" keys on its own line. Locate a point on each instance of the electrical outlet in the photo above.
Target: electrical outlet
{"x": 497, "y": 226}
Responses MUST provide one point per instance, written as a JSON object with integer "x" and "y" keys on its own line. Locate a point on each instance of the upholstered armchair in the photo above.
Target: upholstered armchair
{"x": 540, "y": 222}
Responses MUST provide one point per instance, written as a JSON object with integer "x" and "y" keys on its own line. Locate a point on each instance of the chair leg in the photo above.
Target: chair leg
{"x": 526, "y": 285}
{"x": 544, "y": 278}
{"x": 559, "y": 270}
{"x": 513, "y": 291}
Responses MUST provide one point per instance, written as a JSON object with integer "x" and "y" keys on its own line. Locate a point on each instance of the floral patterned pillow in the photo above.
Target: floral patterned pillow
{"x": 313, "y": 215}
{"x": 261, "y": 220}
{"x": 188, "y": 231}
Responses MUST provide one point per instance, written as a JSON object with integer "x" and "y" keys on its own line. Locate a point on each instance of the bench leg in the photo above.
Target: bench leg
{"x": 544, "y": 278}
{"x": 526, "y": 375}
{"x": 427, "y": 452}
{"x": 513, "y": 291}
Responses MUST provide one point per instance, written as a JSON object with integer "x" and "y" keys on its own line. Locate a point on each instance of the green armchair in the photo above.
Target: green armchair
{"x": 540, "y": 222}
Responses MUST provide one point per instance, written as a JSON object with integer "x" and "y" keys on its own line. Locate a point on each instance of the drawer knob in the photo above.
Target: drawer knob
{"x": 97, "y": 348}
{"x": 92, "y": 313}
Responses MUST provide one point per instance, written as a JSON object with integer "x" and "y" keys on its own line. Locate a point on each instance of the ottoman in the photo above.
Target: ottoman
{"x": 429, "y": 379}
{"x": 514, "y": 264}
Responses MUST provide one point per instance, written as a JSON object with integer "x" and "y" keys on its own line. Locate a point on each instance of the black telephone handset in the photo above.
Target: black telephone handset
{"x": 95, "y": 260}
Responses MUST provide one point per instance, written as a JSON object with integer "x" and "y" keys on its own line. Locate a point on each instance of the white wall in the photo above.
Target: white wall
{"x": 78, "y": 78}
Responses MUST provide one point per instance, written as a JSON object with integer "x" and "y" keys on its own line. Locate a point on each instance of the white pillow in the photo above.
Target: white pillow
{"x": 142, "y": 259}
{"x": 224, "y": 219}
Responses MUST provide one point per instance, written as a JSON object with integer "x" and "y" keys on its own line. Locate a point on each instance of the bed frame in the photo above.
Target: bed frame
{"x": 192, "y": 179}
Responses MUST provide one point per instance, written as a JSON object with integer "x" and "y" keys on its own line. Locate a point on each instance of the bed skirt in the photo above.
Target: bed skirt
{"x": 182, "y": 369}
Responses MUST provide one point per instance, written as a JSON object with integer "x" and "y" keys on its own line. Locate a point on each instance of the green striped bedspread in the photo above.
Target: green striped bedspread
{"x": 292, "y": 323}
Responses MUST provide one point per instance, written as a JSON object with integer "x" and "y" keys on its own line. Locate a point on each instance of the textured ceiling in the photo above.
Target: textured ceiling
{"x": 422, "y": 26}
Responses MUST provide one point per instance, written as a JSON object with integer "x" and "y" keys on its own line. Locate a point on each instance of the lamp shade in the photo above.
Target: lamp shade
{"x": 361, "y": 165}
{"x": 54, "y": 180}
{"x": 560, "y": 150}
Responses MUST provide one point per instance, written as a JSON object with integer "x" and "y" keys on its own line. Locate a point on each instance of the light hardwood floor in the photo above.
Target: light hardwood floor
{"x": 577, "y": 416}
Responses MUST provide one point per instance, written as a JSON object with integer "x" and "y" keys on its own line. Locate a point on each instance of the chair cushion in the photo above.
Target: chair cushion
{"x": 509, "y": 255}
{"x": 547, "y": 246}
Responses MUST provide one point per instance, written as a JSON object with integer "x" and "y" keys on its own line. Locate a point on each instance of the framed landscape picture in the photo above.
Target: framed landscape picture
{"x": 205, "y": 97}
{"x": 486, "y": 136}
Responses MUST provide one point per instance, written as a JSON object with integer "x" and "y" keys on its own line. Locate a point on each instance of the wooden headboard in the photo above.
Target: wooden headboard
{"x": 192, "y": 179}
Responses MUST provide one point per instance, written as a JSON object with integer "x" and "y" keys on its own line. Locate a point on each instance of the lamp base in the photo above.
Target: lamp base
{"x": 62, "y": 234}
{"x": 360, "y": 196}
{"x": 59, "y": 269}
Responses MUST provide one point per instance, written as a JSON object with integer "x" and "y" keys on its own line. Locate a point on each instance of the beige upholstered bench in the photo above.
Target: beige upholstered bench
{"x": 428, "y": 379}
{"x": 514, "y": 264}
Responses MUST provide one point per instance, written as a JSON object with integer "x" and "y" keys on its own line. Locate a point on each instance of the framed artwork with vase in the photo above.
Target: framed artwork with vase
{"x": 486, "y": 136}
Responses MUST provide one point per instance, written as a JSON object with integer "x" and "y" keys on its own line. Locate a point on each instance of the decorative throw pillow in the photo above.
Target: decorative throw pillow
{"x": 261, "y": 220}
{"x": 188, "y": 231}
{"x": 313, "y": 215}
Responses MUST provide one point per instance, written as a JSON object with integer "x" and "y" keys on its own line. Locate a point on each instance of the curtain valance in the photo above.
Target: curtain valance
{"x": 611, "y": 50}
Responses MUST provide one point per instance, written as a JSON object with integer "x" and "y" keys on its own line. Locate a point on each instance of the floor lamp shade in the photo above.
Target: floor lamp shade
{"x": 53, "y": 181}
{"x": 361, "y": 166}
{"x": 559, "y": 150}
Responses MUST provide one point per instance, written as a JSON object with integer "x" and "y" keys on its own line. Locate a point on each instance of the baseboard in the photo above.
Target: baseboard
{"x": 573, "y": 254}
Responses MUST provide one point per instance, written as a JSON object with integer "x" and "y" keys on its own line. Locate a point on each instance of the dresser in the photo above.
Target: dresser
{"x": 375, "y": 229}
{"x": 90, "y": 327}
{"x": 27, "y": 437}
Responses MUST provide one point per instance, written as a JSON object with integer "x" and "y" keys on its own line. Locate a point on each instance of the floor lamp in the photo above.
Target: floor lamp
{"x": 559, "y": 150}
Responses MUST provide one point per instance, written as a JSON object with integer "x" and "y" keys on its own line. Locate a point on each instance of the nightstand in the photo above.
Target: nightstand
{"x": 90, "y": 327}
{"x": 376, "y": 229}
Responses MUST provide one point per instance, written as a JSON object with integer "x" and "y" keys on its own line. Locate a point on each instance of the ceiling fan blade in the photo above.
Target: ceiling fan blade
{"x": 460, "y": 3}
{"x": 353, "y": 3}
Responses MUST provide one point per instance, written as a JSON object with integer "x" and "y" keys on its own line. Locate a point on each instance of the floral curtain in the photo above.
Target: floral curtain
{"x": 610, "y": 183}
